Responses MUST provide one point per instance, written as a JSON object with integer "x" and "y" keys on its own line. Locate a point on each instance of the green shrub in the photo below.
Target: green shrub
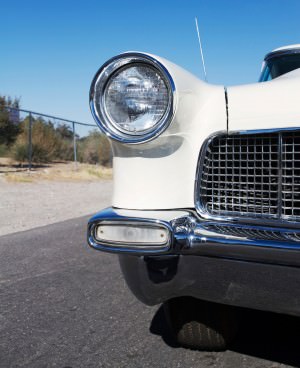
{"x": 65, "y": 150}
{"x": 46, "y": 143}
{"x": 20, "y": 152}
{"x": 95, "y": 149}
{"x": 4, "y": 150}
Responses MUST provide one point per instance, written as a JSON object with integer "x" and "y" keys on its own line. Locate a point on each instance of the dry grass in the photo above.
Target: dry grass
{"x": 55, "y": 172}
{"x": 18, "y": 178}
{"x": 6, "y": 161}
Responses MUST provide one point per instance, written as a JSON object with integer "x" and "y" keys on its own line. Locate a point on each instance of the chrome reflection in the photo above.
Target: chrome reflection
{"x": 191, "y": 235}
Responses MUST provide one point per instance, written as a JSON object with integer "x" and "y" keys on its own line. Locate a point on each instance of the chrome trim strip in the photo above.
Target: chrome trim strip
{"x": 103, "y": 75}
{"x": 279, "y": 209}
{"x": 263, "y": 131}
{"x": 278, "y": 53}
{"x": 237, "y": 219}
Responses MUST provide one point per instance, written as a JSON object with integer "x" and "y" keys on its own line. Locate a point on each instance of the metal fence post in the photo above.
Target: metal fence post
{"x": 74, "y": 144}
{"x": 30, "y": 142}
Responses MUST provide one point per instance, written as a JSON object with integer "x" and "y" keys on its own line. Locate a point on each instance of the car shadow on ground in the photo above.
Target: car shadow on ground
{"x": 159, "y": 326}
{"x": 263, "y": 335}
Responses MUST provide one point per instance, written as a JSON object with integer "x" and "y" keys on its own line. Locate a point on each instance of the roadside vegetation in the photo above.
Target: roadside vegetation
{"x": 50, "y": 143}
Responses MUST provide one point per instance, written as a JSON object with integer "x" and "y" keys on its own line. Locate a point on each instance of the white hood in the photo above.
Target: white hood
{"x": 266, "y": 105}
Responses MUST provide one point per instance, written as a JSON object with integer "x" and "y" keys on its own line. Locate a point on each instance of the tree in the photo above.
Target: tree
{"x": 8, "y": 129}
{"x": 65, "y": 131}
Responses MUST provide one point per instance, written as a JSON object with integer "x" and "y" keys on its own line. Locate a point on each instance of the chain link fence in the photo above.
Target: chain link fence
{"x": 45, "y": 138}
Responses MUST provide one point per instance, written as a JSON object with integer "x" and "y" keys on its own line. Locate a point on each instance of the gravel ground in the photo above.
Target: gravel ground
{"x": 25, "y": 206}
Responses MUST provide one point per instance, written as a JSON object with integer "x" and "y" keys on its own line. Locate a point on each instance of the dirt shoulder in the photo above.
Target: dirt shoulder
{"x": 50, "y": 195}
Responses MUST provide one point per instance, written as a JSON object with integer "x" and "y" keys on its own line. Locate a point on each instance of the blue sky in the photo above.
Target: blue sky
{"x": 51, "y": 49}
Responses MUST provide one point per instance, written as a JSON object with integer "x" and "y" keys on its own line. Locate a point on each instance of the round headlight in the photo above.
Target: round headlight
{"x": 132, "y": 98}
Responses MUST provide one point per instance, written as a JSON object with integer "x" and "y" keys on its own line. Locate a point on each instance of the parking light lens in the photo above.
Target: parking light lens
{"x": 131, "y": 234}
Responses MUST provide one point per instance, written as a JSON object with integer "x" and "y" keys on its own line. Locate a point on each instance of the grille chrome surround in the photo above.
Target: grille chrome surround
{"x": 251, "y": 176}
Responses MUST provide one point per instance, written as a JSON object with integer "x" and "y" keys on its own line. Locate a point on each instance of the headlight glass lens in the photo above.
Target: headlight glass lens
{"x": 136, "y": 98}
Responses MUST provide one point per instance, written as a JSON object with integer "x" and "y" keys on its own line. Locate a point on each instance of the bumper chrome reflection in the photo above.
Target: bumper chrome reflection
{"x": 191, "y": 235}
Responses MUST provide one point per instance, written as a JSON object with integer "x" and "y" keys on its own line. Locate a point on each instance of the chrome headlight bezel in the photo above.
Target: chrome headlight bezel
{"x": 100, "y": 82}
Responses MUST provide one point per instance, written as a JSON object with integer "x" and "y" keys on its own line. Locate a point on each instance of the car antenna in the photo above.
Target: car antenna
{"x": 201, "y": 51}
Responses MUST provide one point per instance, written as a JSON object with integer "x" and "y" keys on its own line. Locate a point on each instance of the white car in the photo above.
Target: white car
{"x": 206, "y": 203}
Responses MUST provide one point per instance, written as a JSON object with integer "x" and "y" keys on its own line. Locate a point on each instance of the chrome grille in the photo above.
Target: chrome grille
{"x": 251, "y": 175}
{"x": 291, "y": 175}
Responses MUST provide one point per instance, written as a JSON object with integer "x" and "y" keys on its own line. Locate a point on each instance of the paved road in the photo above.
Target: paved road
{"x": 64, "y": 305}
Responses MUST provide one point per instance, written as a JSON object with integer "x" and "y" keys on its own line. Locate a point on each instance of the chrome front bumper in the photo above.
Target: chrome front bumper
{"x": 190, "y": 235}
{"x": 241, "y": 265}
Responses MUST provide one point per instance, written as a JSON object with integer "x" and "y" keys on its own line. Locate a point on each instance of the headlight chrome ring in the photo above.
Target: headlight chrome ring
{"x": 103, "y": 80}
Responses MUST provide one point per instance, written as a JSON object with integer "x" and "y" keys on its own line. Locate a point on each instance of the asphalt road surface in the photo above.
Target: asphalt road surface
{"x": 65, "y": 305}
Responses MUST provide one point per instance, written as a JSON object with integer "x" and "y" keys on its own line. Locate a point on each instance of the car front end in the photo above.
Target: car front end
{"x": 206, "y": 201}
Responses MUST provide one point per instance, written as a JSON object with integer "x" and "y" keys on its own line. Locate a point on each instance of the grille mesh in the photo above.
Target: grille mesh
{"x": 291, "y": 176}
{"x": 252, "y": 175}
